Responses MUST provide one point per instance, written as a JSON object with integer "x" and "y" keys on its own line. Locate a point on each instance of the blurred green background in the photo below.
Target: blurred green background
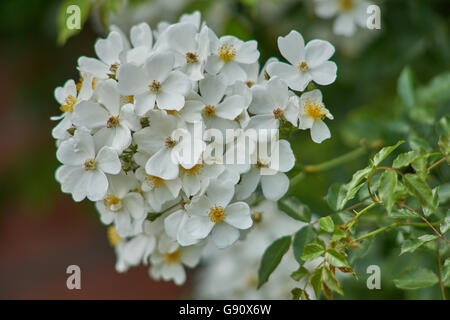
{"x": 363, "y": 100}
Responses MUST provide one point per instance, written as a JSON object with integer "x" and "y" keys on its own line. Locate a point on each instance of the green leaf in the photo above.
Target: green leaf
{"x": 63, "y": 31}
{"x": 405, "y": 88}
{"x": 416, "y": 279}
{"x": 312, "y": 251}
{"x": 446, "y": 270}
{"x": 420, "y": 189}
{"x": 300, "y": 273}
{"x": 405, "y": 159}
{"x": 295, "y": 209}
{"x": 316, "y": 281}
{"x": 423, "y": 113}
{"x": 296, "y": 293}
{"x": 388, "y": 183}
{"x": 428, "y": 212}
{"x": 443, "y": 125}
{"x": 444, "y": 144}
{"x": 353, "y": 186}
{"x": 384, "y": 152}
{"x": 271, "y": 258}
{"x": 329, "y": 279}
{"x": 302, "y": 237}
{"x": 445, "y": 225}
{"x": 335, "y": 196}
{"x": 412, "y": 244}
{"x": 326, "y": 224}
{"x": 337, "y": 259}
{"x": 338, "y": 234}
{"x": 403, "y": 213}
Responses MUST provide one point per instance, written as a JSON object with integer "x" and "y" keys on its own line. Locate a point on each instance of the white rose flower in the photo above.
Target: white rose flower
{"x": 84, "y": 169}
{"x": 312, "y": 114}
{"x": 307, "y": 63}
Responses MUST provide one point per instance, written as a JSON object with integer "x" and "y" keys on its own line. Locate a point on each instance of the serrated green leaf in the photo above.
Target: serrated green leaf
{"x": 384, "y": 152}
{"x": 271, "y": 258}
{"x": 312, "y": 251}
{"x": 329, "y": 279}
{"x": 443, "y": 125}
{"x": 337, "y": 259}
{"x": 405, "y": 88}
{"x": 420, "y": 189}
{"x": 416, "y": 279}
{"x": 403, "y": 213}
{"x": 316, "y": 281}
{"x": 296, "y": 293}
{"x": 300, "y": 273}
{"x": 405, "y": 159}
{"x": 446, "y": 270}
{"x": 302, "y": 237}
{"x": 444, "y": 144}
{"x": 428, "y": 212}
{"x": 326, "y": 224}
{"x": 412, "y": 245}
{"x": 445, "y": 225}
{"x": 354, "y": 185}
{"x": 388, "y": 183}
{"x": 335, "y": 196}
{"x": 338, "y": 234}
{"x": 295, "y": 209}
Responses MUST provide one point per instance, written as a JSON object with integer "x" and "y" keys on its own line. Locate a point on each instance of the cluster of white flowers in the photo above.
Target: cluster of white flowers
{"x": 122, "y": 137}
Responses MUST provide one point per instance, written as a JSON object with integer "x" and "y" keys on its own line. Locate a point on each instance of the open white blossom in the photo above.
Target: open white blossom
{"x": 306, "y": 63}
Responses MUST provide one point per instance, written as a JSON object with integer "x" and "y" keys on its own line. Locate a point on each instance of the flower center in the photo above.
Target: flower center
{"x": 126, "y": 99}
{"x": 113, "y": 70}
{"x": 250, "y": 83}
{"x": 194, "y": 171}
{"x": 191, "y": 57}
{"x": 278, "y": 113}
{"x": 172, "y": 112}
{"x": 155, "y": 86}
{"x": 113, "y": 203}
{"x": 170, "y": 142}
{"x": 302, "y": 66}
{"x": 153, "y": 181}
{"x": 256, "y": 217}
{"x": 315, "y": 110}
{"x": 90, "y": 164}
{"x": 261, "y": 164}
{"x": 227, "y": 52}
{"x": 112, "y": 122}
{"x": 69, "y": 102}
{"x": 217, "y": 214}
{"x": 209, "y": 111}
{"x": 113, "y": 238}
{"x": 345, "y": 5}
{"x": 172, "y": 257}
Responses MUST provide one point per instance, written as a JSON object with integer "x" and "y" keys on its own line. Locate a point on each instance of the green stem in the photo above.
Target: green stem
{"x": 377, "y": 231}
{"x": 350, "y": 223}
{"x": 337, "y": 161}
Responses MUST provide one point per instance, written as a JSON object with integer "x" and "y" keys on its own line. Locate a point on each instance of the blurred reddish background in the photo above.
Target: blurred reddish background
{"x": 42, "y": 231}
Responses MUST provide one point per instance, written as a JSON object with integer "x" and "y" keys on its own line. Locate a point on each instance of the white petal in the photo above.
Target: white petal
{"x": 192, "y": 110}
{"x": 248, "y": 52}
{"x": 162, "y": 165}
{"x": 132, "y": 79}
{"x": 134, "y": 203}
{"x": 144, "y": 102}
{"x": 141, "y": 35}
{"x": 275, "y": 186}
{"x": 220, "y": 193}
{"x": 214, "y": 64}
{"x": 233, "y": 72}
{"x": 212, "y": 89}
{"x": 325, "y": 73}
{"x": 159, "y": 65}
{"x": 97, "y": 185}
{"x": 230, "y": 108}
{"x": 306, "y": 122}
{"x": 224, "y": 235}
{"x": 199, "y": 227}
{"x": 190, "y": 256}
{"x": 317, "y": 52}
{"x": 90, "y": 115}
{"x": 344, "y": 25}
{"x": 108, "y": 49}
{"x": 262, "y": 102}
{"x": 320, "y": 131}
{"x": 292, "y": 47}
{"x": 286, "y": 156}
{"x": 295, "y": 80}
{"x": 169, "y": 100}
{"x": 93, "y": 66}
{"x": 326, "y": 8}
{"x": 108, "y": 160}
{"x": 264, "y": 121}
{"x": 177, "y": 82}
{"x": 238, "y": 215}
{"x": 247, "y": 185}
{"x": 109, "y": 96}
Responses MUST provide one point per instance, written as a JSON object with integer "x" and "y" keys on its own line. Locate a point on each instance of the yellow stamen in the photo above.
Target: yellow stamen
{"x": 250, "y": 83}
{"x": 227, "y": 52}
{"x": 154, "y": 182}
{"x": 260, "y": 164}
{"x": 126, "y": 99}
{"x": 112, "y": 122}
{"x": 194, "y": 171}
{"x": 90, "y": 164}
{"x": 191, "y": 57}
{"x": 69, "y": 102}
{"x": 209, "y": 111}
{"x": 113, "y": 203}
{"x": 346, "y": 5}
{"x": 278, "y": 113}
{"x": 315, "y": 110}
{"x": 170, "y": 142}
{"x": 303, "y": 67}
{"x": 155, "y": 86}
{"x": 113, "y": 70}
{"x": 217, "y": 214}
{"x": 172, "y": 257}
{"x": 113, "y": 238}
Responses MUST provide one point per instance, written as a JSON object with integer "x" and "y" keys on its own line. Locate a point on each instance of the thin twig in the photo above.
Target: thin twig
{"x": 440, "y": 271}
